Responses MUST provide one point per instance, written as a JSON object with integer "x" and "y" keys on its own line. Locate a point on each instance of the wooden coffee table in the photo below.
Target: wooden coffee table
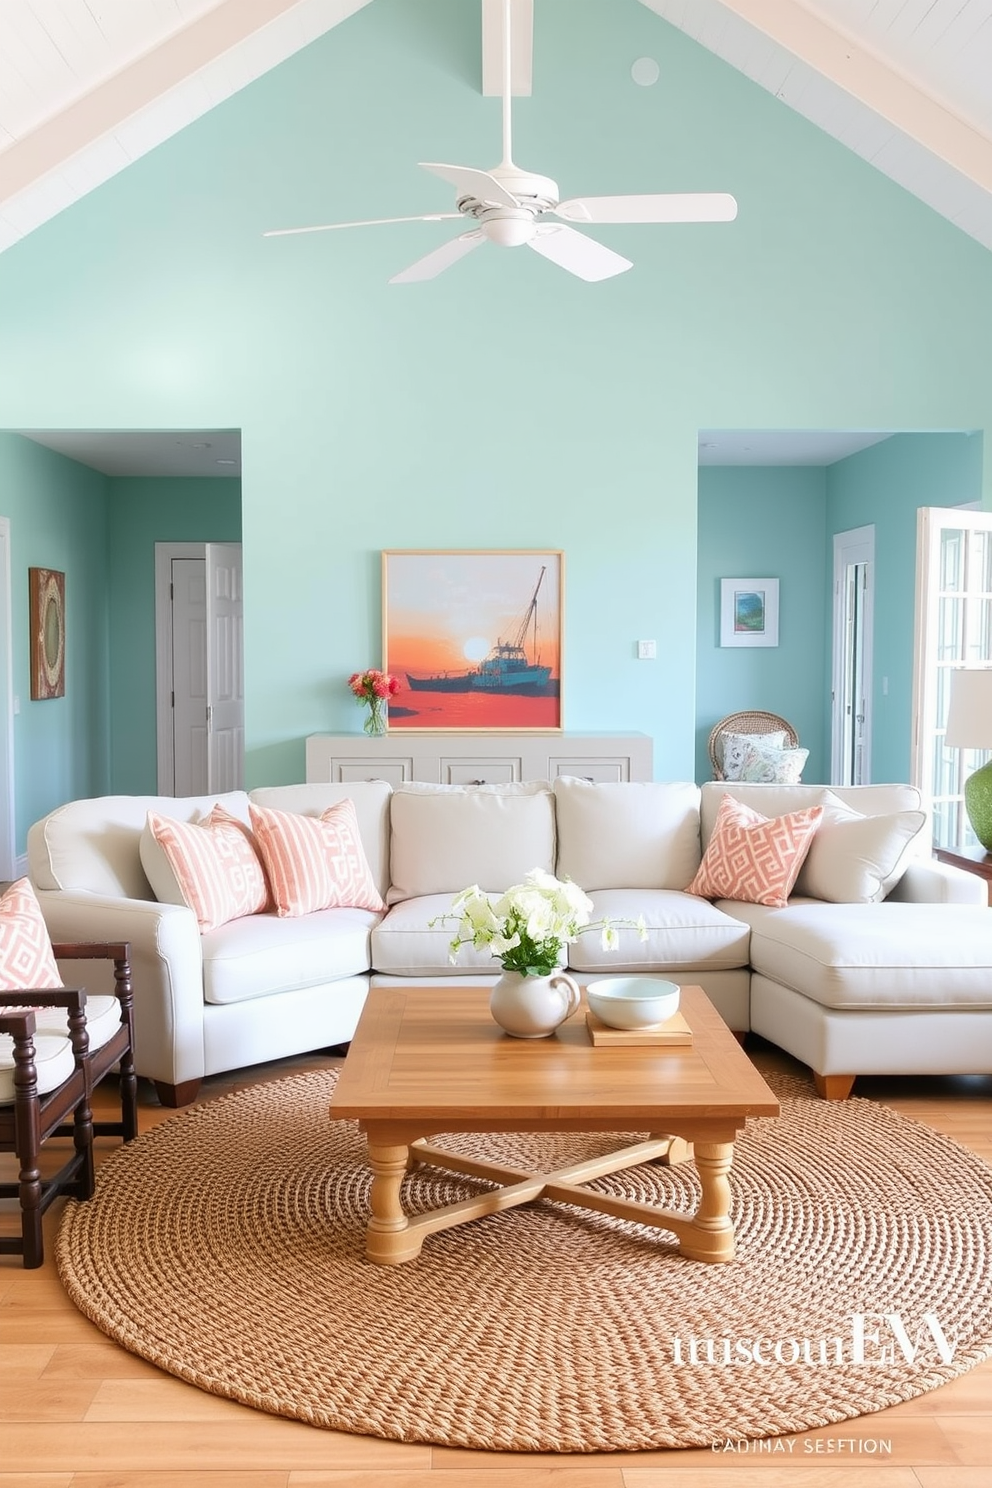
{"x": 430, "y": 1059}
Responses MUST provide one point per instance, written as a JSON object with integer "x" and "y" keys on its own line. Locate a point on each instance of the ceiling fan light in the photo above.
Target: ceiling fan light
{"x": 508, "y": 232}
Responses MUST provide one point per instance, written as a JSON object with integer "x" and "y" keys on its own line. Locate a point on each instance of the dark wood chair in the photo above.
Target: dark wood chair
{"x": 36, "y": 1114}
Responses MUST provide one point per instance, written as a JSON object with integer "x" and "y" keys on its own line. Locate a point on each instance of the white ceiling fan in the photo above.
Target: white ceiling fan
{"x": 510, "y": 206}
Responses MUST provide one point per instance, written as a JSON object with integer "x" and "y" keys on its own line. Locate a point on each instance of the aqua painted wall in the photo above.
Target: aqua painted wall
{"x": 505, "y": 404}
{"x": 886, "y": 485}
{"x": 58, "y": 519}
{"x": 764, "y": 523}
{"x": 143, "y": 512}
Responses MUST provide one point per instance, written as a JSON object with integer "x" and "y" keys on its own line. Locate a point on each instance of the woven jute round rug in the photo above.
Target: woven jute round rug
{"x": 228, "y": 1247}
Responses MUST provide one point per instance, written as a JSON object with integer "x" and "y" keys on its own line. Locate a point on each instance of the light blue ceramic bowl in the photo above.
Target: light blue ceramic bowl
{"x": 633, "y": 1001}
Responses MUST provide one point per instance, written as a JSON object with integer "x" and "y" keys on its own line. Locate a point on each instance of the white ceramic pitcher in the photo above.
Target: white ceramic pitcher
{"x": 533, "y": 1006}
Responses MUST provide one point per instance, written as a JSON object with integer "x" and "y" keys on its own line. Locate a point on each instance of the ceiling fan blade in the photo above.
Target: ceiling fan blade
{"x": 578, "y": 254}
{"x": 442, "y": 258}
{"x": 288, "y": 232}
{"x": 684, "y": 206}
{"x": 470, "y": 182}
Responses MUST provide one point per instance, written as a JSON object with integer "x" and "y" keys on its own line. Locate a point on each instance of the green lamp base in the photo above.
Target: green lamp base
{"x": 978, "y": 801}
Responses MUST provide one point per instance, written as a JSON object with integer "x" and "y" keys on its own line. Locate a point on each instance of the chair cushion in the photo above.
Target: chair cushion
{"x": 445, "y": 838}
{"x": 314, "y": 862}
{"x": 753, "y": 857}
{"x": 267, "y": 953}
{"x": 26, "y": 958}
{"x": 890, "y": 955}
{"x": 103, "y": 1018}
{"x": 211, "y": 866}
{"x": 855, "y": 859}
{"x": 730, "y": 749}
{"x": 763, "y": 763}
{"x": 629, "y": 835}
{"x": 683, "y": 933}
{"x": 53, "y": 1059}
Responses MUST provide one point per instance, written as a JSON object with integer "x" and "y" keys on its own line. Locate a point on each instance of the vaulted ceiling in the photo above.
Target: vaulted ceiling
{"x": 87, "y": 86}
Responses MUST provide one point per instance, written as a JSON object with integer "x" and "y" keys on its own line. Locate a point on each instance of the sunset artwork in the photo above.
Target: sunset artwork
{"x": 474, "y": 639}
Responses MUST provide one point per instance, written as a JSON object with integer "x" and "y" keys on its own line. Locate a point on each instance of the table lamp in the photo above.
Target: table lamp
{"x": 969, "y": 726}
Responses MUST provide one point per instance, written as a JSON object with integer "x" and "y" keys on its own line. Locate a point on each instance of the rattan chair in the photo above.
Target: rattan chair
{"x": 748, "y": 722}
{"x": 54, "y": 1100}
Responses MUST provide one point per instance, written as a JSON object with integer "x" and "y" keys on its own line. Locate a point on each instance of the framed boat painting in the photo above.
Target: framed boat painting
{"x": 474, "y": 638}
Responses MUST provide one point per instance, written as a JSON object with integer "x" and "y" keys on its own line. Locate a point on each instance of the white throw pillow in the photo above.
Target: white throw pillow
{"x": 730, "y": 750}
{"x": 857, "y": 859}
{"x": 761, "y": 764}
{"x": 628, "y": 834}
{"x": 444, "y": 838}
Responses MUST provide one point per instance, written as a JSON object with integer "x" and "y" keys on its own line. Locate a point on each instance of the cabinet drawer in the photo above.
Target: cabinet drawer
{"x": 393, "y": 770}
{"x": 479, "y": 771}
{"x": 600, "y": 771}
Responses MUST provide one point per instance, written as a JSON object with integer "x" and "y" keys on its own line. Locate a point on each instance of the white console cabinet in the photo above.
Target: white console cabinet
{"x": 477, "y": 759}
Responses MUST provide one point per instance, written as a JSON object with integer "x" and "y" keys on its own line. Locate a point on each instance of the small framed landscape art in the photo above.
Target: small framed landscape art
{"x": 46, "y": 598}
{"x": 474, "y": 638}
{"x": 749, "y": 612}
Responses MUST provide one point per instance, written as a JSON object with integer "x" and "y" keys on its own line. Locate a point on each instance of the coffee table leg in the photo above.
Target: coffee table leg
{"x": 388, "y": 1242}
{"x": 712, "y": 1234}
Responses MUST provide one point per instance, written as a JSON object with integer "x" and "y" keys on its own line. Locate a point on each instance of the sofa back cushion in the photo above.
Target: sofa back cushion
{"x": 371, "y": 800}
{"x": 94, "y": 844}
{"x": 446, "y": 837}
{"x": 866, "y": 838}
{"x": 627, "y": 835}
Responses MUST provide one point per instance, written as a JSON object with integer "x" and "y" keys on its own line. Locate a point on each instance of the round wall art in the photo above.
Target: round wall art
{"x": 46, "y": 588}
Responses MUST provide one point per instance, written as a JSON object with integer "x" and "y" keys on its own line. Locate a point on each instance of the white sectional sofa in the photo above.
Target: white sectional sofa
{"x": 900, "y": 982}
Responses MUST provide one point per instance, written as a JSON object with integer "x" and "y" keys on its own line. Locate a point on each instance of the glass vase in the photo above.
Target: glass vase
{"x": 375, "y": 722}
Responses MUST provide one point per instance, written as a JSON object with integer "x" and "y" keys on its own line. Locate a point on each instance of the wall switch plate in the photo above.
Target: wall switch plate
{"x": 647, "y": 650}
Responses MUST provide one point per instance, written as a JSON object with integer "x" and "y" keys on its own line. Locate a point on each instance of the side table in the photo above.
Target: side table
{"x": 971, "y": 859}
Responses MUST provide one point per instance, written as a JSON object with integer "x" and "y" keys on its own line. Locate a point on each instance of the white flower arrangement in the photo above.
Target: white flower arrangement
{"x": 528, "y": 927}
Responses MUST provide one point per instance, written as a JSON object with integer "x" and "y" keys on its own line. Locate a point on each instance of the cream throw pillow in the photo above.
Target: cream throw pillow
{"x": 762, "y": 764}
{"x": 857, "y": 859}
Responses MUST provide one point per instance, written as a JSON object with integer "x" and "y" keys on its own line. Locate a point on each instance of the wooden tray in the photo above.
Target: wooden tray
{"x": 675, "y": 1032}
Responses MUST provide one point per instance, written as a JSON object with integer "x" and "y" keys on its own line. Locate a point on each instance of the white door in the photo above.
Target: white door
{"x": 199, "y": 672}
{"x": 953, "y": 629}
{"x": 854, "y": 571}
{"x": 225, "y": 668}
{"x": 189, "y": 677}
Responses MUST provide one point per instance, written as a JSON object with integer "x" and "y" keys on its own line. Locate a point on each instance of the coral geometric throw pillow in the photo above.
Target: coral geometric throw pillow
{"x": 213, "y": 864}
{"x": 26, "y": 959}
{"x": 314, "y": 862}
{"x": 754, "y": 858}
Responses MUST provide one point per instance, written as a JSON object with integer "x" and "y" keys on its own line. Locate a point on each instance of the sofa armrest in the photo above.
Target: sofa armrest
{"x": 926, "y": 881}
{"x": 166, "y": 972}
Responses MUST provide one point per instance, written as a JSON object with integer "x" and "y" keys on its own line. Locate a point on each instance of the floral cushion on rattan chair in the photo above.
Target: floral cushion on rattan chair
{"x": 730, "y": 738}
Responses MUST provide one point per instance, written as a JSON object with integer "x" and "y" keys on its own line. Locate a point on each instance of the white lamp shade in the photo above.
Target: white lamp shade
{"x": 969, "y": 713}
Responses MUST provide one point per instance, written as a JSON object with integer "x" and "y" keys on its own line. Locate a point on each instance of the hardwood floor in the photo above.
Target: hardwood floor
{"x": 76, "y": 1411}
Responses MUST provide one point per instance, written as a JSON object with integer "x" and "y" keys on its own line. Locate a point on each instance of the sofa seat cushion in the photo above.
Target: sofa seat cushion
{"x": 405, "y": 944}
{"x": 683, "y": 933}
{"x": 263, "y": 954}
{"x": 889, "y": 955}
{"x": 629, "y": 834}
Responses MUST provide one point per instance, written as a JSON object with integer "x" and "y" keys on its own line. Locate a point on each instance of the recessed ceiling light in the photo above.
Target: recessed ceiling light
{"x": 645, "y": 71}
{"x": 227, "y": 462}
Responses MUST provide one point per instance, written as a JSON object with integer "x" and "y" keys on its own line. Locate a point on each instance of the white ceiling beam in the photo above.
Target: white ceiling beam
{"x": 866, "y": 77}
{"x": 90, "y": 119}
{"x": 521, "y": 47}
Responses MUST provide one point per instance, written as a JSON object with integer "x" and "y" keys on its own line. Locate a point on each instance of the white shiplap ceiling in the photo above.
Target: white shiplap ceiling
{"x": 87, "y": 86}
